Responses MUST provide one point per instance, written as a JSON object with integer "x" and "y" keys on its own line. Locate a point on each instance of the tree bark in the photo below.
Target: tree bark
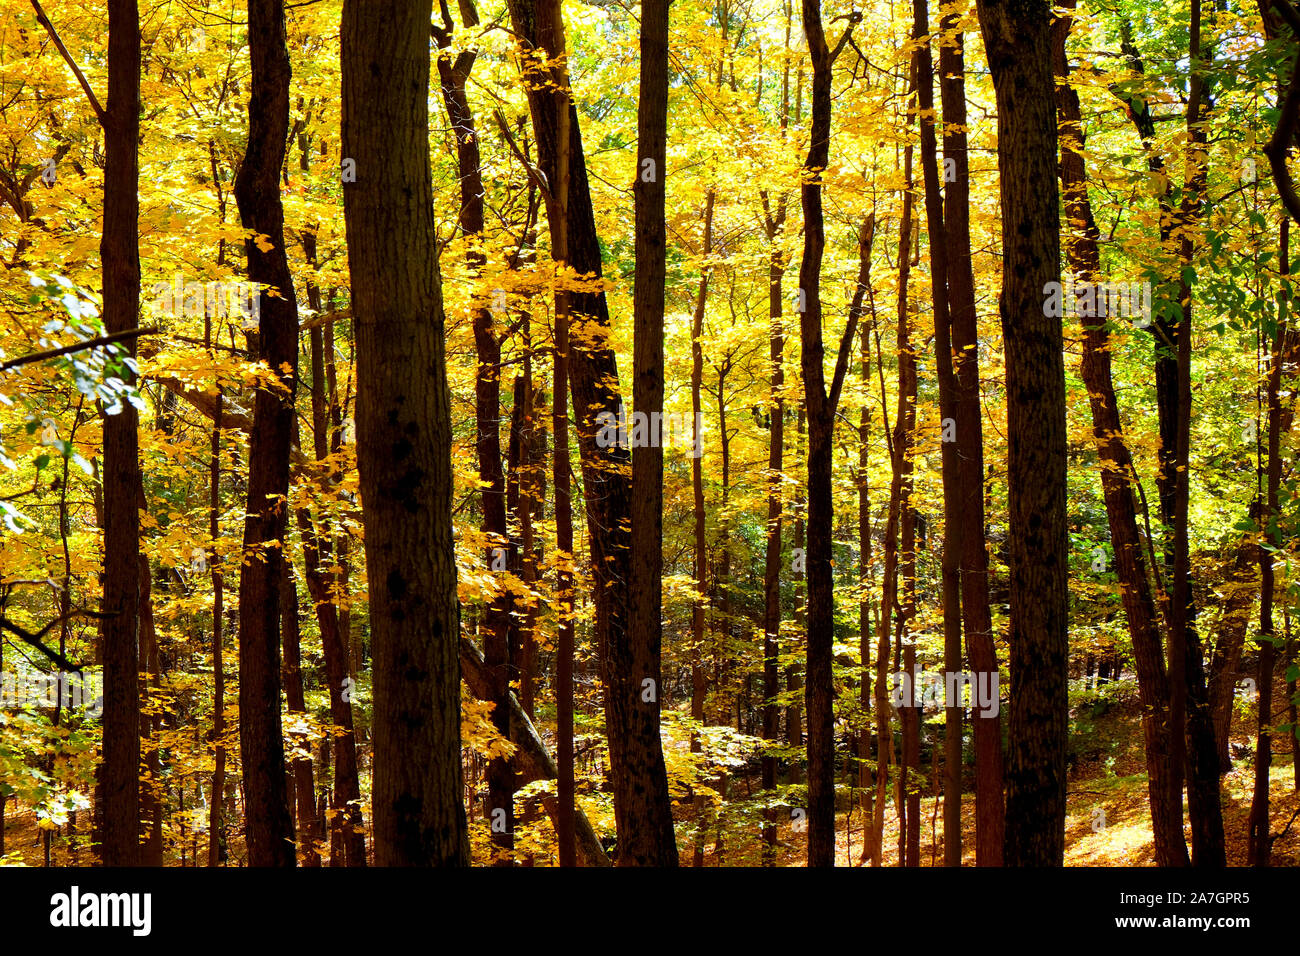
{"x": 647, "y": 805}
{"x": 119, "y": 784}
{"x": 404, "y": 435}
{"x": 1017, "y": 41}
{"x": 269, "y": 824}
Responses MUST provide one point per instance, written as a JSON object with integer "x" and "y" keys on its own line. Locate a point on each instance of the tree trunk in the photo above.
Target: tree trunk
{"x": 899, "y": 446}
{"x": 1084, "y": 259}
{"x": 216, "y": 824}
{"x": 403, "y": 436}
{"x": 304, "y": 782}
{"x": 647, "y": 803}
{"x": 1017, "y": 40}
{"x": 977, "y": 620}
{"x": 772, "y": 552}
{"x": 636, "y": 758}
{"x": 487, "y": 412}
{"x": 119, "y": 783}
{"x": 821, "y": 404}
{"x": 257, "y": 192}
{"x": 1260, "y": 843}
{"x": 953, "y": 526}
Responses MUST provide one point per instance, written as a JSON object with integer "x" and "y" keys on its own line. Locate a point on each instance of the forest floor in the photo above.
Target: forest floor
{"x": 1108, "y": 819}
{"x": 1107, "y": 823}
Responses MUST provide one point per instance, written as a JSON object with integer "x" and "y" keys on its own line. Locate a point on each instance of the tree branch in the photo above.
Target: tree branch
{"x": 44, "y": 21}
{"x": 76, "y": 347}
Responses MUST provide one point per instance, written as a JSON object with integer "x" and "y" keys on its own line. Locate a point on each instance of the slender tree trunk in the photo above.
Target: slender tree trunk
{"x": 1204, "y": 804}
{"x": 953, "y": 525}
{"x": 119, "y": 785}
{"x": 870, "y": 844}
{"x": 257, "y": 193}
{"x": 304, "y": 782}
{"x": 1260, "y": 843}
{"x": 454, "y": 76}
{"x": 821, "y": 404}
{"x": 699, "y": 682}
{"x": 1018, "y": 44}
{"x": 152, "y": 792}
{"x": 347, "y": 831}
{"x": 647, "y": 803}
{"x": 974, "y": 561}
{"x": 1084, "y": 259}
{"x": 793, "y": 678}
{"x": 772, "y": 553}
{"x": 900, "y": 445}
{"x": 216, "y": 824}
{"x": 403, "y": 436}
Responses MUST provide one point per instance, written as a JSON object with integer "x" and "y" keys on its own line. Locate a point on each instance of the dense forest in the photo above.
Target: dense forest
{"x": 590, "y": 433}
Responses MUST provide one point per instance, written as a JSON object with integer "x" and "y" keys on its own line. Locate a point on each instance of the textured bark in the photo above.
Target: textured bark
{"x": 648, "y": 805}
{"x": 1017, "y": 41}
{"x": 269, "y": 824}
{"x": 119, "y": 786}
{"x": 403, "y": 435}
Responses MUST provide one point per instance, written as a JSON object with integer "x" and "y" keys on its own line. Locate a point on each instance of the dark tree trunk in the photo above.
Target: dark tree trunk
{"x": 1204, "y": 802}
{"x": 953, "y": 526}
{"x": 403, "y": 436}
{"x": 636, "y": 759}
{"x": 216, "y": 824}
{"x": 821, "y": 404}
{"x": 347, "y": 831}
{"x": 900, "y": 466}
{"x": 257, "y": 192}
{"x": 304, "y": 781}
{"x": 772, "y": 553}
{"x": 454, "y": 75}
{"x": 119, "y": 781}
{"x": 1017, "y": 40}
{"x": 977, "y": 619}
{"x": 647, "y": 801}
{"x": 1260, "y": 843}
